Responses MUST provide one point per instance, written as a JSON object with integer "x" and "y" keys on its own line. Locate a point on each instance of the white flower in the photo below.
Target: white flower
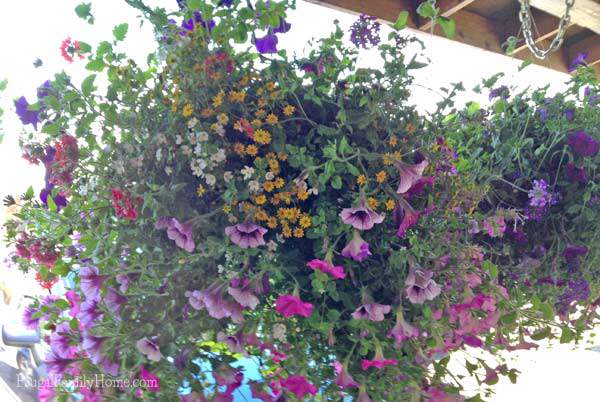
{"x": 198, "y": 166}
{"x": 161, "y": 139}
{"x": 313, "y": 191}
{"x": 178, "y": 139}
{"x": 253, "y": 186}
{"x": 232, "y": 219}
{"x": 219, "y": 156}
{"x": 210, "y": 179}
{"x": 217, "y": 128}
{"x": 192, "y": 122}
{"x": 186, "y": 150}
{"x": 220, "y": 268}
{"x": 269, "y": 176}
{"x": 202, "y": 136}
{"x": 247, "y": 172}
{"x": 227, "y": 176}
{"x": 280, "y": 238}
{"x": 168, "y": 170}
{"x": 198, "y": 149}
{"x": 158, "y": 154}
{"x": 279, "y": 331}
{"x": 119, "y": 166}
{"x": 271, "y": 245}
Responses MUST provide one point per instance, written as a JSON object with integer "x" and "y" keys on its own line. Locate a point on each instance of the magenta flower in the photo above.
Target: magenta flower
{"x": 114, "y": 301}
{"x": 28, "y": 319}
{"x": 212, "y": 300}
{"x": 495, "y": 226}
{"x": 575, "y": 173}
{"x": 179, "y": 232}
{"x": 56, "y": 365}
{"x": 91, "y": 282}
{"x": 583, "y": 144}
{"x": 379, "y": 363}
{"x": 60, "y": 341}
{"x": 337, "y": 272}
{"x": 371, "y": 311}
{"x": 151, "y": 381}
{"x": 149, "y": 348}
{"x": 241, "y": 293}
{"x": 410, "y": 218}
{"x": 402, "y": 331}
{"x": 246, "y": 235}
{"x": 357, "y": 248}
{"x": 420, "y": 287}
{"x": 343, "y": 378}
{"x": 299, "y": 386}
{"x": 409, "y": 174}
{"x": 288, "y": 305}
{"x": 361, "y": 217}
{"x": 46, "y": 392}
{"x": 89, "y": 313}
{"x": 74, "y": 301}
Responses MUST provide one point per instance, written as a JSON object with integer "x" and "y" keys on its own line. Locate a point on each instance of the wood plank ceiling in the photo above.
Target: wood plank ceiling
{"x": 487, "y": 24}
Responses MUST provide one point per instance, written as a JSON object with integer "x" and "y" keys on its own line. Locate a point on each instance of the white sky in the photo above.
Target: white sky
{"x": 35, "y": 28}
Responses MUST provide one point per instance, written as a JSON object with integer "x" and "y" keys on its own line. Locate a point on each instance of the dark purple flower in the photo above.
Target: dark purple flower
{"x": 266, "y": 44}
{"x": 56, "y": 365}
{"x": 592, "y": 98}
{"x": 578, "y": 290}
{"x": 59, "y": 199}
{"x": 544, "y": 114}
{"x": 573, "y": 251}
{"x": 420, "y": 286}
{"x": 196, "y": 20}
{"x": 283, "y": 26}
{"x": 365, "y": 31}
{"x": 579, "y": 60}
{"x": 182, "y": 359}
{"x": 576, "y": 174}
{"x": 246, "y": 235}
{"x": 225, "y": 3}
{"x": 570, "y": 114}
{"x": 357, "y": 248}
{"x": 361, "y": 217}
{"x": 44, "y": 89}
{"x": 583, "y": 144}
{"x": 27, "y": 116}
{"x": 93, "y": 347}
{"x": 91, "y": 282}
{"x": 501, "y": 92}
{"x": 179, "y": 232}
{"x": 28, "y": 319}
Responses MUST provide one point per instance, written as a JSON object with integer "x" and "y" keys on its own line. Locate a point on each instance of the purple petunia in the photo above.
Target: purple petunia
{"x": 361, "y": 217}
{"x": 26, "y": 115}
{"x": 357, "y": 248}
{"x": 246, "y": 235}
{"x": 283, "y": 26}
{"x": 539, "y": 196}
{"x": 60, "y": 341}
{"x": 93, "y": 347}
{"x": 114, "y": 301}
{"x": 267, "y": 44}
{"x": 575, "y": 173}
{"x": 501, "y": 92}
{"x": 579, "y": 60}
{"x": 179, "y": 232}
{"x": 91, "y": 282}
{"x": 89, "y": 313}
{"x": 149, "y": 348}
{"x": 371, "y": 311}
{"x": 420, "y": 286}
{"x": 582, "y": 144}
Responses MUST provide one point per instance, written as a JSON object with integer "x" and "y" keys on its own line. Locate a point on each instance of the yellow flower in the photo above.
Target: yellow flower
{"x": 286, "y": 197}
{"x": 238, "y": 96}
{"x": 274, "y": 166}
{"x": 271, "y": 155}
{"x": 393, "y": 141}
{"x": 373, "y": 203}
{"x": 269, "y": 186}
{"x": 207, "y": 112}
{"x": 251, "y": 150}
{"x": 260, "y": 199}
{"x": 188, "y": 110}
{"x": 227, "y": 209}
{"x": 380, "y": 177}
{"x": 262, "y": 136}
{"x": 282, "y": 156}
{"x": 279, "y": 182}
{"x": 289, "y": 110}
{"x": 298, "y": 232}
{"x": 200, "y": 190}
{"x": 272, "y": 119}
{"x": 390, "y": 204}
{"x": 410, "y": 128}
{"x": 218, "y": 99}
{"x": 287, "y": 232}
{"x": 303, "y": 195}
{"x": 261, "y": 215}
{"x": 305, "y": 222}
{"x": 361, "y": 180}
{"x": 262, "y": 103}
{"x": 222, "y": 119}
{"x": 272, "y": 222}
{"x": 244, "y": 81}
{"x": 270, "y": 86}
{"x": 260, "y": 113}
{"x": 256, "y": 123}
{"x": 238, "y": 148}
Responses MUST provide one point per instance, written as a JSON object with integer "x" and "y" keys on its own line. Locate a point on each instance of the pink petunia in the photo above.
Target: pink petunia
{"x": 409, "y": 175}
{"x": 289, "y": 305}
{"x": 299, "y": 386}
{"x": 336, "y": 271}
{"x": 357, "y": 248}
{"x": 361, "y": 217}
{"x": 246, "y": 235}
{"x": 371, "y": 311}
{"x": 151, "y": 381}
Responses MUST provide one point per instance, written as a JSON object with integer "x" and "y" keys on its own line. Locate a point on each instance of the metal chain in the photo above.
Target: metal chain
{"x": 526, "y": 19}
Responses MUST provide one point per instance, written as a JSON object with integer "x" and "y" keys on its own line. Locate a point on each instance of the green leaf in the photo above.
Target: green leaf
{"x": 95, "y": 65}
{"x": 401, "y": 21}
{"x": 525, "y": 64}
{"x": 567, "y": 335}
{"x": 120, "y": 31}
{"x": 448, "y": 26}
{"x": 3, "y": 84}
{"x": 51, "y": 204}
{"x": 336, "y": 182}
{"x": 473, "y": 108}
{"x": 85, "y": 47}
{"x": 29, "y": 193}
{"x": 546, "y": 310}
{"x": 426, "y": 10}
{"x": 51, "y": 128}
{"x": 194, "y": 4}
{"x": 541, "y": 334}
{"x": 84, "y": 11}
{"x": 87, "y": 86}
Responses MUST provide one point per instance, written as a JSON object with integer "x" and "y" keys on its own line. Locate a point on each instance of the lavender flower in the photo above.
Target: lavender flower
{"x": 114, "y": 301}
{"x": 539, "y": 195}
{"x": 89, "y": 313}
{"x": 93, "y": 347}
{"x": 60, "y": 341}
{"x": 149, "y": 348}
{"x": 361, "y": 217}
{"x": 91, "y": 282}
{"x": 246, "y": 235}
{"x": 371, "y": 311}
{"x": 179, "y": 232}
{"x": 357, "y": 248}
{"x": 579, "y": 60}
{"x": 501, "y": 92}
{"x": 365, "y": 31}
{"x": 420, "y": 287}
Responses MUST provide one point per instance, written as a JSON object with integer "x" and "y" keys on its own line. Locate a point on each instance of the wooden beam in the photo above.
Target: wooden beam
{"x": 385, "y": 10}
{"x": 556, "y": 61}
{"x": 589, "y": 45}
{"x": 585, "y": 13}
{"x": 447, "y": 9}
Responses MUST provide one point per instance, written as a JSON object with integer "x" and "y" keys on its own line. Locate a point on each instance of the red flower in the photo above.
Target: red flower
{"x": 124, "y": 204}
{"x": 46, "y": 283}
{"x": 43, "y": 254}
{"x": 65, "y": 160}
{"x": 289, "y": 305}
{"x": 69, "y": 48}
{"x": 218, "y": 62}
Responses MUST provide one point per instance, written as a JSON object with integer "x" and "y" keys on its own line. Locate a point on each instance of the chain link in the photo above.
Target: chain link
{"x": 526, "y": 23}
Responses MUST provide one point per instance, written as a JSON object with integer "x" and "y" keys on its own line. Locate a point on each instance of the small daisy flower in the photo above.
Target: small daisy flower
{"x": 247, "y": 172}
